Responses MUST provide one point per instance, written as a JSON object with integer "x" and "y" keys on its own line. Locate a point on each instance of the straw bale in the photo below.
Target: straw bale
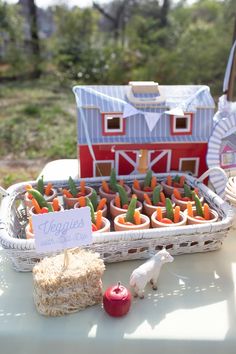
{"x": 60, "y": 290}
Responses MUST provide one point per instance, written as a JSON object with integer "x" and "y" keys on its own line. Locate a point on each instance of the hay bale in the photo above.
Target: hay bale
{"x": 62, "y": 290}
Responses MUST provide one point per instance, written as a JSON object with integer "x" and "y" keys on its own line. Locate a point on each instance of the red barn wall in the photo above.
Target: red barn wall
{"x": 179, "y": 150}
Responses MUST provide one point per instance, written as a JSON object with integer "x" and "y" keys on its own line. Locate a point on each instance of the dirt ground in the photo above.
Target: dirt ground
{"x": 13, "y": 171}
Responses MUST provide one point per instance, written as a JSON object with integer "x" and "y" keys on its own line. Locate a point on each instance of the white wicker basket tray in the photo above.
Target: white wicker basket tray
{"x": 116, "y": 246}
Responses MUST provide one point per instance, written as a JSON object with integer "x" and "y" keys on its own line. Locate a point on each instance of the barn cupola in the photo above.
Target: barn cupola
{"x": 144, "y": 93}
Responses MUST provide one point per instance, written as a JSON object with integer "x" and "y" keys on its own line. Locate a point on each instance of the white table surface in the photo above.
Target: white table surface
{"x": 62, "y": 169}
{"x": 193, "y": 311}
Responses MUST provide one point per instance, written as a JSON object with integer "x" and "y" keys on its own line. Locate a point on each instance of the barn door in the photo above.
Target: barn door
{"x": 126, "y": 162}
{"x": 102, "y": 168}
{"x": 160, "y": 160}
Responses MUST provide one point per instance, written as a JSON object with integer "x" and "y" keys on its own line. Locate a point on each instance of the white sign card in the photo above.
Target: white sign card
{"x": 61, "y": 230}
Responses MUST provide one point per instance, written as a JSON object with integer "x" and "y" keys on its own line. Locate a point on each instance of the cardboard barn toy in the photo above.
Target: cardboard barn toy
{"x": 143, "y": 126}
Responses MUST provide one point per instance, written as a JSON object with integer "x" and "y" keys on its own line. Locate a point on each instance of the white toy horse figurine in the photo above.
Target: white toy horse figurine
{"x": 149, "y": 271}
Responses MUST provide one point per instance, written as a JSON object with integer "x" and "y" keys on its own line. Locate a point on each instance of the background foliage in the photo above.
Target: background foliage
{"x": 171, "y": 42}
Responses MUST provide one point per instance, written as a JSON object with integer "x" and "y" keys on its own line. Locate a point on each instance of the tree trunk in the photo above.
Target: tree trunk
{"x": 116, "y": 19}
{"x": 164, "y": 12}
{"x": 35, "y": 46}
{"x": 234, "y": 33}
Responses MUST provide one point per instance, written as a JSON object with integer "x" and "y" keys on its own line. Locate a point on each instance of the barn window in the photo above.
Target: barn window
{"x": 113, "y": 124}
{"x": 181, "y": 125}
{"x": 228, "y": 158}
{"x": 189, "y": 165}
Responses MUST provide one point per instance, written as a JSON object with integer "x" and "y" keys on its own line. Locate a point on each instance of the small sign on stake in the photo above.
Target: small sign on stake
{"x": 61, "y": 230}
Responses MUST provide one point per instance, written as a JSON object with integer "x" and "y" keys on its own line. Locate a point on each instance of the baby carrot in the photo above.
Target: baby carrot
{"x": 55, "y": 204}
{"x": 162, "y": 197}
{"x": 136, "y": 184}
{"x": 169, "y": 180}
{"x": 206, "y": 211}
{"x": 176, "y": 214}
{"x": 36, "y": 206}
{"x": 137, "y": 217}
{"x": 190, "y": 209}
{"x": 159, "y": 214}
{"x": 147, "y": 199}
{"x": 177, "y": 194}
{"x": 82, "y": 187}
{"x": 30, "y": 224}
{"x": 48, "y": 189}
{"x": 82, "y": 201}
{"x": 153, "y": 182}
{"x": 121, "y": 220}
{"x": 117, "y": 201}
{"x": 105, "y": 187}
{"x": 67, "y": 193}
{"x": 99, "y": 219}
{"x": 181, "y": 181}
{"x": 101, "y": 203}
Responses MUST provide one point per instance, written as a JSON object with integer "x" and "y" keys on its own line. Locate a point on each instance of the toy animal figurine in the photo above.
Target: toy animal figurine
{"x": 149, "y": 271}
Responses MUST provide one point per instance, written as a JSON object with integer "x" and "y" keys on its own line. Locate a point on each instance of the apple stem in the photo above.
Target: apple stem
{"x": 118, "y": 284}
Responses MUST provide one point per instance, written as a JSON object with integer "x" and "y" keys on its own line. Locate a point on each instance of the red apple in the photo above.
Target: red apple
{"x": 44, "y": 210}
{"x": 147, "y": 189}
{"x": 94, "y": 227}
{"x": 117, "y": 300}
{"x": 29, "y": 196}
{"x": 166, "y": 221}
{"x": 80, "y": 194}
{"x": 185, "y": 199}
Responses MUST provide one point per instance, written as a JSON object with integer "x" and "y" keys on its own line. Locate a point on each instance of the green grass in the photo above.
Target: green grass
{"x": 37, "y": 121}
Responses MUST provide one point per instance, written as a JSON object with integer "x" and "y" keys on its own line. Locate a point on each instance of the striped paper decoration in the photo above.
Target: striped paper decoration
{"x": 213, "y": 155}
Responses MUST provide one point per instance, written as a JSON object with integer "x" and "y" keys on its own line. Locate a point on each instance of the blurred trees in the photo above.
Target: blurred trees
{"x": 73, "y": 44}
{"x": 169, "y": 42}
{"x": 12, "y": 54}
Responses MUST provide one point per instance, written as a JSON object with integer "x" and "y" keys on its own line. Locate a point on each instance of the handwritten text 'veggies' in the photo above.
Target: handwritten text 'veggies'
{"x": 60, "y": 229}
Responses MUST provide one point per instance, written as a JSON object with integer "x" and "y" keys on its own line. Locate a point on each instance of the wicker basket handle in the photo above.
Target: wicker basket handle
{"x": 3, "y": 192}
{"x": 213, "y": 169}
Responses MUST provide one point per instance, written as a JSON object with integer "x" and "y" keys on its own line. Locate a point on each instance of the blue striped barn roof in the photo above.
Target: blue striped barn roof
{"x": 92, "y": 100}
{"x": 106, "y": 97}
